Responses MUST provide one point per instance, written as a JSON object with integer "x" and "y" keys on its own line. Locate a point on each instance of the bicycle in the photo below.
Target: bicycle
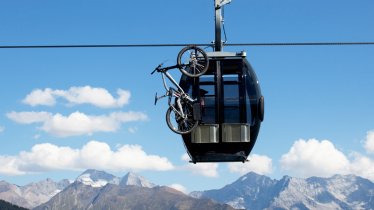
{"x": 183, "y": 115}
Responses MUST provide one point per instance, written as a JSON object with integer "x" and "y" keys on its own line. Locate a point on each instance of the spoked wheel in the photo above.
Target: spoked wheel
{"x": 193, "y": 61}
{"x": 178, "y": 124}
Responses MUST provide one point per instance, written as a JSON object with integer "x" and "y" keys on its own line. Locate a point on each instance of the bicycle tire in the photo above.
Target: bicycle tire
{"x": 187, "y": 126}
{"x": 197, "y": 61}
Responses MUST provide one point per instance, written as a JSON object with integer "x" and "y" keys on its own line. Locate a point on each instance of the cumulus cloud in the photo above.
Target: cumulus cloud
{"x": 94, "y": 154}
{"x": 99, "y": 97}
{"x": 29, "y": 117}
{"x": 76, "y": 123}
{"x": 203, "y": 169}
{"x": 179, "y": 187}
{"x": 43, "y": 157}
{"x": 257, "y": 163}
{"x": 40, "y": 97}
{"x": 369, "y": 142}
{"x": 314, "y": 158}
{"x": 362, "y": 166}
{"x": 8, "y": 166}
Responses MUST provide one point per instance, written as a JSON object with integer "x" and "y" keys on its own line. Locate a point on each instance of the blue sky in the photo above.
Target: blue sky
{"x": 319, "y": 100}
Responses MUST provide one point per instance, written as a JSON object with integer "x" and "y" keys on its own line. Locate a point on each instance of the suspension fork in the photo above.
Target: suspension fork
{"x": 180, "y": 108}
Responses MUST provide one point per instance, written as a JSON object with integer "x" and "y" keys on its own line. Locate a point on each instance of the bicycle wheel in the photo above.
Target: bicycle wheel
{"x": 193, "y": 61}
{"x": 178, "y": 124}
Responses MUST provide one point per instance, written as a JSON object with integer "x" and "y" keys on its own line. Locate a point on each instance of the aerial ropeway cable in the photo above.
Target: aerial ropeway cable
{"x": 262, "y": 44}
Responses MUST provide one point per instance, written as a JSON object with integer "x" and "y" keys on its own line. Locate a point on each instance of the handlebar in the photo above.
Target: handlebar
{"x": 157, "y": 68}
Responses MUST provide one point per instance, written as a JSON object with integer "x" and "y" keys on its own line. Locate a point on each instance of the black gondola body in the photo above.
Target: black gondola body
{"x": 230, "y": 108}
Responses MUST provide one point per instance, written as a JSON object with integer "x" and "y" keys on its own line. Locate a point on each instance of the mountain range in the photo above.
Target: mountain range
{"x": 95, "y": 189}
{"x": 99, "y": 190}
{"x": 253, "y": 191}
{"x": 33, "y": 194}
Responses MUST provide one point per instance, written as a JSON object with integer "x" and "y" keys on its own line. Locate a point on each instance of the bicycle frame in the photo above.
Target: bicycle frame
{"x": 178, "y": 93}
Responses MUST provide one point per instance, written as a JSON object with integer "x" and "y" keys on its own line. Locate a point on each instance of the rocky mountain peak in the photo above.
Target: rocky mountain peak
{"x": 136, "y": 180}
{"x": 96, "y": 178}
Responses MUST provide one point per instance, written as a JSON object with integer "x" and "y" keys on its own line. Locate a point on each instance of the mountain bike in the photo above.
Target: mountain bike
{"x": 183, "y": 113}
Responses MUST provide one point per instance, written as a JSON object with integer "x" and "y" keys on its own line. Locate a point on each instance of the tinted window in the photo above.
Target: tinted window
{"x": 208, "y": 98}
{"x": 231, "y": 98}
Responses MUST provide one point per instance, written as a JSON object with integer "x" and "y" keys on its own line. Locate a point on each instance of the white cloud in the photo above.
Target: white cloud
{"x": 9, "y": 166}
{"x": 314, "y": 158}
{"x": 369, "y": 142}
{"x": 179, "y": 187}
{"x": 40, "y": 97}
{"x": 136, "y": 159}
{"x": 44, "y": 157}
{"x": 2, "y": 129}
{"x": 29, "y": 117}
{"x": 99, "y": 97}
{"x": 98, "y": 155}
{"x": 76, "y": 123}
{"x": 257, "y": 163}
{"x": 362, "y": 166}
{"x": 203, "y": 169}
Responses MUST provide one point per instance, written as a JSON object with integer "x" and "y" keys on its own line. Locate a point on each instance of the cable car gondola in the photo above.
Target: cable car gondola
{"x": 232, "y": 106}
{"x": 217, "y": 106}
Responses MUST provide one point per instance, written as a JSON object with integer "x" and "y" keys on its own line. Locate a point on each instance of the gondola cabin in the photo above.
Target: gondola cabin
{"x": 231, "y": 109}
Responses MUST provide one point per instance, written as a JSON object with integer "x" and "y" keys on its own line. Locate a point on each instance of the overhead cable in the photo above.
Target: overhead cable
{"x": 185, "y": 44}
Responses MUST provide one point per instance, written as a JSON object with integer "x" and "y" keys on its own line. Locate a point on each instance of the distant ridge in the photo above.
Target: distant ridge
{"x": 33, "y": 194}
